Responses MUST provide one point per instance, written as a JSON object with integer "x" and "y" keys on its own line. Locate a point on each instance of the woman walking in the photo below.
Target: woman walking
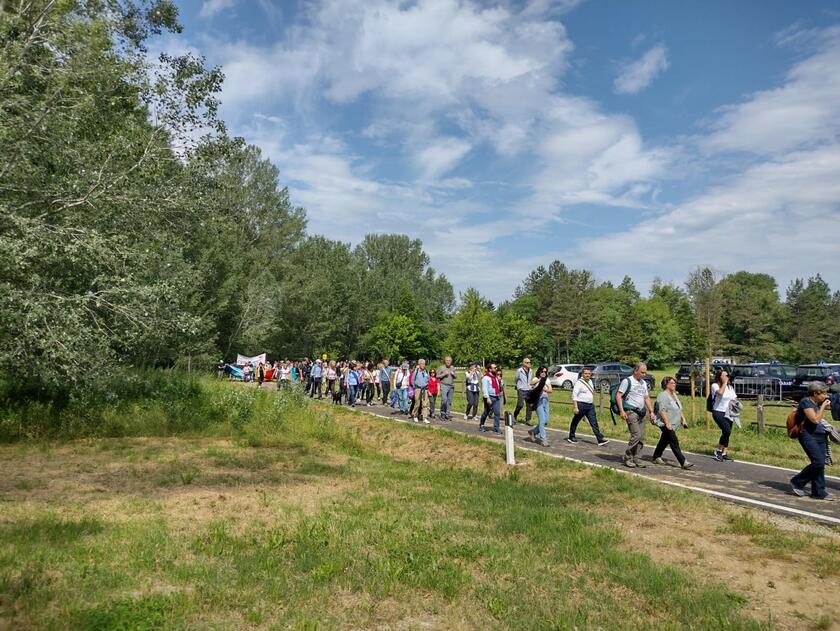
{"x": 434, "y": 389}
{"x": 669, "y": 418}
{"x": 723, "y": 396}
{"x": 583, "y": 400}
{"x": 472, "y": 379}
{"x": 814, "y": 441}
{"x": 540, "y": 384}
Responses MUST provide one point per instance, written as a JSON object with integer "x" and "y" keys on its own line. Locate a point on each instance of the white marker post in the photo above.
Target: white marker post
{"x": 510, "y": 456}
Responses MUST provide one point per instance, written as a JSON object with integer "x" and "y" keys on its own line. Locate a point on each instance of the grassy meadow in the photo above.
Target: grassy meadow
{"x": 278, "y": 513}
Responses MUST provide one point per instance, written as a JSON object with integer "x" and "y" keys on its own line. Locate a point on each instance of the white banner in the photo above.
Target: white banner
{"x": 241, "y": 360}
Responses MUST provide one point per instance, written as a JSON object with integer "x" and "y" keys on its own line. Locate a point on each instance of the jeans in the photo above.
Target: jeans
{"x": 368, "y": 392}
{"x": 432, "y": 399}
{"x": 521, "y": 396}
{"x": 446, "y": 400}
{"x": 669, "y": 439}
{"x": 814, "y": 446}
{"x": 725, "y": 427}
{"x": 636, "y": 425}
{"x": 587, "y": 410}
{"x": 394, "y": 397}
{"x": 402, "y": 394}
{"x": 316, "y": 387}
{"x": 542, "y": 416}
{"x": 386, "y": 389}
{"x": 352, "y": 392}
{"x": 472, "y": 403}
{"x": 495, "y": 406}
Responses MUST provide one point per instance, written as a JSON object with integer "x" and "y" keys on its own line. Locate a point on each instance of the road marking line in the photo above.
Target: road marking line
{"x": 699, "y": 489}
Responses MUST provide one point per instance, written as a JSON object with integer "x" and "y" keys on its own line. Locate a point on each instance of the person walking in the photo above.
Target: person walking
{"x": 401, "y": 378}
{"x": 814, "y": 441}
{"x": 420, "y": 383}
{"x": 723, "y": 398}
{"x": 377, "y": 379}
{"x": 260, "y": 374}
{"x": 370, "y": 389}
{"x": 669, "y": 418}
{"x": 540, "y": 384}
{"x": 492, "y": 394}
{"x": 633, "y": 399}
{"x": 330, "y": 375}
{"x": 472, "y": 380}
{"x": 385, "y": 380}
{"x": 583, "y": 400}
{"x": 523, "y": 388}
{"x": 434, "y": 389}
{"x": 316, "y": 375}
{"x": 447, "y": 376}
{"x": 352, "y": 384}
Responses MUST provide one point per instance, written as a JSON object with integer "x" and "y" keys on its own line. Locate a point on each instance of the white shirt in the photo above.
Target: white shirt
{"x": 581, "y": 393}
{"x": 722, "y": 402}
{"x": 285, "y": 373}
{"x": 638, "y": 391}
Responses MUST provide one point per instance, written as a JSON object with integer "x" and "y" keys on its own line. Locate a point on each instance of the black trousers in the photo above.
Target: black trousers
{"x": 587, "y": 410}
{"x": 725, "y": 427}
{"x": 521, "y": 396}
{"x": 386, "y": 390}
{"x": 669, "y": 439}
{"x": 472, "y": 403}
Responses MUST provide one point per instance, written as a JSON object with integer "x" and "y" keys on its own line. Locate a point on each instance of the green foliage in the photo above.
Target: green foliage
{"x": 475, "y": 333}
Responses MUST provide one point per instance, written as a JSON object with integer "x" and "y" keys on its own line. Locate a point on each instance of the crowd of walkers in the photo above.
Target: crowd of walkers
{"x": 422, "y": 393}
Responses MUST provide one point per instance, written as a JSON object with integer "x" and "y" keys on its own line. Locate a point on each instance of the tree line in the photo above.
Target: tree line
{"x": 135, "y": 231}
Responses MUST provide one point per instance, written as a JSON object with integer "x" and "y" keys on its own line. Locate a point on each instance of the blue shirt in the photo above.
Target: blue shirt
{"x": 420, "y": 378}
{"x": 352, "y": 378}
{"x": 808, "y": 426}
{"x": 385, "y": 374}
{"x": 316, "y": 372}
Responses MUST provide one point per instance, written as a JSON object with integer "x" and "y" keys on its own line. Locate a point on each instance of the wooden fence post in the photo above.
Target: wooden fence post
{"x": 759, "y": 412}
{"x": 707, "y": 392}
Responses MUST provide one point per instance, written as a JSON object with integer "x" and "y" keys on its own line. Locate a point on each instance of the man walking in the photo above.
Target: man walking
{"x": 385, "y": 380}
{"x": 523, "y": 388}
{"x": 492, "y": 400}
{"x": 635, "y": 407}
{"x": 446, "y": 374}
{"x": 315, "y": 377}
{"x": 420, "y": 383}
{"x": 583, "y": 400}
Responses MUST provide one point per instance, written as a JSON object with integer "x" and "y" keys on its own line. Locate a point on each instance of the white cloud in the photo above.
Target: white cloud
{"x": 209, "y": 8}
{"x": 639, "y": 74}
{"x": 800, "y": 113}
{"x": 440, "y": 156}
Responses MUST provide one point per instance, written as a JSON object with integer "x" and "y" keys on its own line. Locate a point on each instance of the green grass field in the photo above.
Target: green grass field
{"x": 321, "y": 518}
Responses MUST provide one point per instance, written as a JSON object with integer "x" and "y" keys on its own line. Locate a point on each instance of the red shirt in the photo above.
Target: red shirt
{"x": 434, "y": 385}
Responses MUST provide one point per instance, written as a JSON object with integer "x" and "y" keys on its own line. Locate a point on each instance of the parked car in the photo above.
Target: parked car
{"x": 683, "y": 378}
{"x": 564, "y": 375}
{"x": 606, "y": 375}
{"x": 829, "y": 374}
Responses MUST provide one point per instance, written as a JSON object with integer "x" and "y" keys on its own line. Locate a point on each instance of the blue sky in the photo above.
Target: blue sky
{"x": 627, "y": 138}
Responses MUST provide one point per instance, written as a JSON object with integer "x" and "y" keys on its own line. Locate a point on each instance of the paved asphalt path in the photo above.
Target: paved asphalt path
{"x": 763, "y": 486}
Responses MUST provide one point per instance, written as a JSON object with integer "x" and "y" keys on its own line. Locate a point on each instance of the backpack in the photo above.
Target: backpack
{"x": 613, "y": 403}
{"x": 835, "y": 406}
{"x": 793, "y": 424}
{"x": 710, "y": 403}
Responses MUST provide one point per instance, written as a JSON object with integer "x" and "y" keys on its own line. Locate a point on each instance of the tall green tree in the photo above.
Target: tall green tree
{"x": 474, "y": 331}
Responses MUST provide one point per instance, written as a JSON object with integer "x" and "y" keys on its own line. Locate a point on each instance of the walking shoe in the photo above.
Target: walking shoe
{"x": 629, "y": 463}
{"x": 659, "y": 461}
{"x": 542, "y": 443}
{"x": 532, "y": 431}
{"x": 427, "y": 421}
{"x": 603, "y": 442}
{"x": 639, "y": 463}
{"x": 482, "y": 429}
{"x": 718, "y": 455}
{"x": 725, "y": 456}
{"x": 466, "y": 418}
{"x": 572, "y": 439}
{"x": 497, "y": 431}
{"x": 826, "y": 498}
{"x": 687, "y": 465}
{"x": 415, "y": 419}
{"x": 797, "y": 491}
